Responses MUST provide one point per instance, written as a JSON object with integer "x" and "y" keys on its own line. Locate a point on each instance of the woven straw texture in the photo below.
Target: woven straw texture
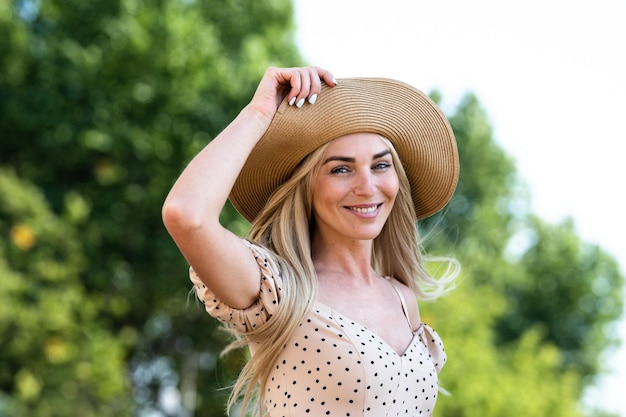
{"x": 407, "y": 117}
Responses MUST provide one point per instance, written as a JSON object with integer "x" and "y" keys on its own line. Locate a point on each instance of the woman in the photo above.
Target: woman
{"x": 332, "y": 176}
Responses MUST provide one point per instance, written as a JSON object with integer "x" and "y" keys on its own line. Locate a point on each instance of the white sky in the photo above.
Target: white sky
{"x": 550, "y": 74}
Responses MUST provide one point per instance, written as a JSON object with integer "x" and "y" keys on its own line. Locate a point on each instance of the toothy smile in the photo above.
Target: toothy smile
{"x": 365, "y": 210}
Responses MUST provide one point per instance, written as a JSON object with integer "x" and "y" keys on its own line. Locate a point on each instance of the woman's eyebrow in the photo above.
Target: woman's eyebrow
{"x": 381, "y": 154}
{"x": 352, "y": 160}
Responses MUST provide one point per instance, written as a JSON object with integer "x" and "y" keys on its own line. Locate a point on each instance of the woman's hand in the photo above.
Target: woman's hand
{"x": 299, "y": 85}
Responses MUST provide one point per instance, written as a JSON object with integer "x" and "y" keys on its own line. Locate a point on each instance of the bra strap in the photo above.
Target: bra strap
{"x": 404, "y": 309}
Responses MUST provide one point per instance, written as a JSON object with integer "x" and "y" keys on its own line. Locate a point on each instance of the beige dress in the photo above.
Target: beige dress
{"x": 333, "y": 366}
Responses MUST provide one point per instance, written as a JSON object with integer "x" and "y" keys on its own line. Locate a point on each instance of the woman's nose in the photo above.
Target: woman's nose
{"x": 364, "y": 183}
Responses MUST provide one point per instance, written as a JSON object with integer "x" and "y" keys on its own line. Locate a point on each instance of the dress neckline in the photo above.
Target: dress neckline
{"x": 411, "y": 343}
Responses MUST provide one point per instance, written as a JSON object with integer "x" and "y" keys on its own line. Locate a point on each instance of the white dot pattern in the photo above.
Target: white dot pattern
{"x": 333, "y": 366}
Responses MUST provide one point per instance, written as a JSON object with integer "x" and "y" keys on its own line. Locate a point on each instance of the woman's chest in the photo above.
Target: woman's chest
{"x": 381, "y": 314}
{"x": 333, "y": 360}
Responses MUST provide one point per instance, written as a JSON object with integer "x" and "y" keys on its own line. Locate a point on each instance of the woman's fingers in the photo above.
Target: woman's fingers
{"x": 306, "y": 84}
{"x": 299, "y": 85}
{"x": 305, "y": 87}
{"x": 326, "y": 76}
{"x": 294, "y": 81}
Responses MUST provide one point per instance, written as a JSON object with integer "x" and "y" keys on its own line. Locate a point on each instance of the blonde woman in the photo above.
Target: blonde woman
{"x": 323, "y": 291}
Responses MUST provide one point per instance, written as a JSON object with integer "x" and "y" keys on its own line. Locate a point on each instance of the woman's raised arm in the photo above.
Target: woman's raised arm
{"x": 192, "y": 208}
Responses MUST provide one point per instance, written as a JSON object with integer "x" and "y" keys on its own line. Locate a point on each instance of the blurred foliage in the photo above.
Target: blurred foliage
{"x": 53, "y": 344}
{"x": 103, "y": 103}
{"x": 528, "y": 324}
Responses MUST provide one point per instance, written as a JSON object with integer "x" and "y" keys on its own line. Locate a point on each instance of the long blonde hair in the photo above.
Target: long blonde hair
{"x": 284, "y": 227}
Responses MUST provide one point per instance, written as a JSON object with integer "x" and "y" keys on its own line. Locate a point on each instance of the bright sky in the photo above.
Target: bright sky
{"x": 550, "y": 74}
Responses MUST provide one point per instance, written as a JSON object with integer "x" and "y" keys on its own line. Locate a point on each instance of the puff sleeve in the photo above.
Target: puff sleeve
{"x": 253, "y": 317}
{"x": 434, "y": 345}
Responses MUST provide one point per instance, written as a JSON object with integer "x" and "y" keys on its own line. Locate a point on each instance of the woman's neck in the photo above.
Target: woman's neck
{"x": 346, "y": 259}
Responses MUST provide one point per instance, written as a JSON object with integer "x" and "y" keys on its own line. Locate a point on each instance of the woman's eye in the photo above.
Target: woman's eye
{"x": 382, "y": 165}
{"x": 339, "y": 170}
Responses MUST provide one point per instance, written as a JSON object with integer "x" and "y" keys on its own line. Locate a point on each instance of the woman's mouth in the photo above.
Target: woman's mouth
{"x": 364, "y": 209}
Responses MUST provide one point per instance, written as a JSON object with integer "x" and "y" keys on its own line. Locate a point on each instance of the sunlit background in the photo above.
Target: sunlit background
{"x": 102, "y": 103}
{"x": 550, "y": 74}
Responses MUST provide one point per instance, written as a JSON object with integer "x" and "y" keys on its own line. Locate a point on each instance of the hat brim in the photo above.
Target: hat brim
{"x": 397, "y": 111}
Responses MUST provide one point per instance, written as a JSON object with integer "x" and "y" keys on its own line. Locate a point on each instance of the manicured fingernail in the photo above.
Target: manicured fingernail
{"x": 334, "y": 81}
{"x": 313, "y": 99}
{"x": 293, "y": 100}
{"x": 300, "y": 103}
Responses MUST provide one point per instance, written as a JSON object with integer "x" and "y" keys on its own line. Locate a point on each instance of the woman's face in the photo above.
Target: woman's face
{"x": 355, "y": 188}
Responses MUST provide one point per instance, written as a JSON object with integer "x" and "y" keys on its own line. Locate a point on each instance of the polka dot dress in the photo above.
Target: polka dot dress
{"x": 333, "y": 366}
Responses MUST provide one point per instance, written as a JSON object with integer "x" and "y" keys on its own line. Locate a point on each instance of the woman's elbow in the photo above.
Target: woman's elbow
{"x": 177, "y": 218}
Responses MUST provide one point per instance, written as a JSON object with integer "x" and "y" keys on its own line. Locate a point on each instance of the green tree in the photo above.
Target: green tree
{"x": 53, "y": 347}
{"x": 569, "y": 291}
{"x": 485, "y": 379}
{"x": 101, "y": 104}
{"x": 528, "y": 322}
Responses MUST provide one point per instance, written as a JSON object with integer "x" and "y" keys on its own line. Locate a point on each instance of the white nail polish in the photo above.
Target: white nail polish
{"x": 313, "y": 99}
{"x": 293, "y": 100}
{"x": 300, "y": 103}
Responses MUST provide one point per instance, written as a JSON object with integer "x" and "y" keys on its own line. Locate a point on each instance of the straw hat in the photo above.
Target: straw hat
{"x": 407, "y": 117}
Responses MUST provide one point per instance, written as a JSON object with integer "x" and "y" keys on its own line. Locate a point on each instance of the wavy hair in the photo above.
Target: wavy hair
{"x": 285, "y": 228}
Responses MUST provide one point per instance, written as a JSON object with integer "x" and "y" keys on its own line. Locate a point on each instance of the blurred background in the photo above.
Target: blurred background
{"x": 102, "y": 103}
